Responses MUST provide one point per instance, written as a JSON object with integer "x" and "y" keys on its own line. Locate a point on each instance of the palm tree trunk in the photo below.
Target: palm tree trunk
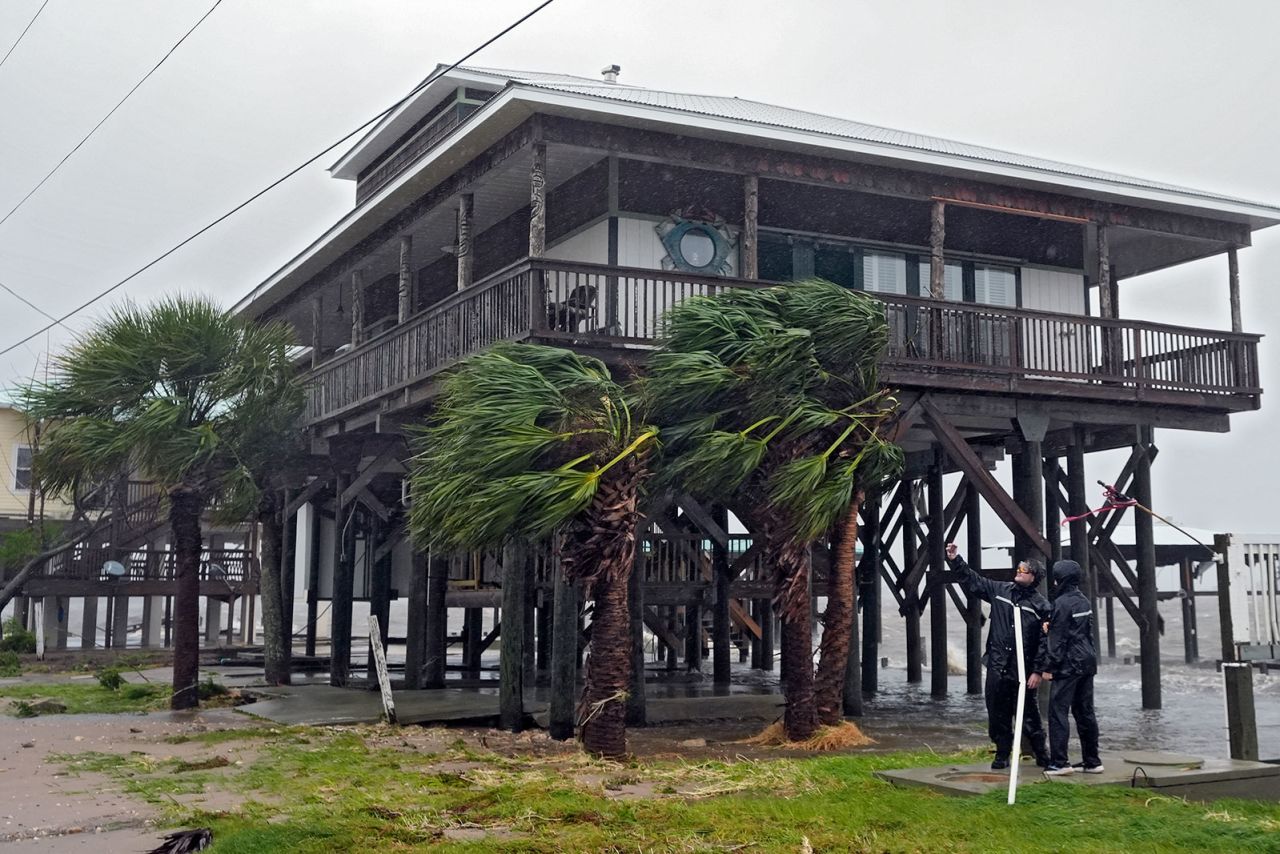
{"x": 275, "y": 633}
{"x": 837, "y": 624}
{"x": 601, "y": 553}
{"x": 791, "y": 562}
{"x": 185, "y": 508}
{"x": 608, "y": 669}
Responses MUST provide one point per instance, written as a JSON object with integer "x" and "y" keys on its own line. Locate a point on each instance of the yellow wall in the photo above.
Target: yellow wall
{"x": 13, "y": 502}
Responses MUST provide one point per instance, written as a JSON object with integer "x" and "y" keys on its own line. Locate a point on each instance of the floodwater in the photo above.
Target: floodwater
{"x": 1193, "y": 717}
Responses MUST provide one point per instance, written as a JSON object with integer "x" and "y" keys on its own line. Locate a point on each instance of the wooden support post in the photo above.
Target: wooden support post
{"x": 937, "y": 567}
{"x": 869, "y": 576}
{"x": 1242, "y": 726}
{"x": 357, "y": 307}
{"x": 511, "y": 643}
{"x": 637, "y": 707}
{"x": 1103, "y": 273}
{"x": 750, "y": 227}
{"x": 380, "y": 579}
{"x": 1052, "y": 510}
{"x": 415, "y": 641}
{"x": 120, "y": 622}
{"x": 1028, "y": 494}
{"x": 767, "y": 621}
{"x": 313, "y": 582}
{"x": 1148, "y": 601}
{"x": 344, "y": 559}
{"x": 466, "y": 206}
{"x": 973, "y": 605}
{"x": 317, "y": 329}
{"x": 1077, "y": 507}
{"x": 910, "y": 594}
{"x": 472, "y": 636}
{"x": 937, "y": 237}
{"x": 721, "y": 653}
{"x": 530, "y": 611}
{"x": 89, "y": 623}
{"x": 436, "y": 650}
{"x": 168, "y": 621}
{"x": 1189, "y": 651}
{"x": 538, "y": 201}
{"x": 543, "y": 618}
{"x": 1233, "y": 287}
{"x": 288, "y": 573}
{"x": 564, "y": 657}
{"x": 1111, "y": 619}
{"x": 693, "y": 637}
{"x": 404, "y": 284}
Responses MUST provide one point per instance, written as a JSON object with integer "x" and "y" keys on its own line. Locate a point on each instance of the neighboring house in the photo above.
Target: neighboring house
{"x": 18, "y": 503}
{"x": 545, "y": 207}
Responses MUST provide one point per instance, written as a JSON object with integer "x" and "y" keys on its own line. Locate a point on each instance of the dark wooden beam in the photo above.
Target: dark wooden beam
{"x": 969, "y": 462}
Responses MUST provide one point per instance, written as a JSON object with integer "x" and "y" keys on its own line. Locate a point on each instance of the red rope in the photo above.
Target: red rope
{"x": 1116, "y": 500}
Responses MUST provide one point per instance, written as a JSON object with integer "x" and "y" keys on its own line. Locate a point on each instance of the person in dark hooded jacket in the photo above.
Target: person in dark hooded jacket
{"x": 1068, "y": 659}
{"x": 1001, "y": 658}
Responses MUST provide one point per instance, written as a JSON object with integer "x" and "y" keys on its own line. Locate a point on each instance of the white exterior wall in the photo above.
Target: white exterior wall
{"x": 1059, "y": 291}
{"x": 591, "y": 245}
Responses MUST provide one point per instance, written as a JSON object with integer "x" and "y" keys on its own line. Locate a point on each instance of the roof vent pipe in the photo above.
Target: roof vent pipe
{"x": 610, "y": 73}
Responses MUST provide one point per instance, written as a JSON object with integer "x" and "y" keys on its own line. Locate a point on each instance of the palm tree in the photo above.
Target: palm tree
{"x": 528, "y": 442}
{"x": 171, "y": 392}
{"x": 769, "y": 403}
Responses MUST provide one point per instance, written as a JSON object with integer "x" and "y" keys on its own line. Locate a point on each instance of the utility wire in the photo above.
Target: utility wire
{"x": 23, "y": 33}
{"x": 430, "y": 79}
{"x": 30, "y": 304}
{"x": 109, "y": 114}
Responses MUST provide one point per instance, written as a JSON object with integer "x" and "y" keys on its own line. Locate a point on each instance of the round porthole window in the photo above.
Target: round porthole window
{"x": 696, "y": 246}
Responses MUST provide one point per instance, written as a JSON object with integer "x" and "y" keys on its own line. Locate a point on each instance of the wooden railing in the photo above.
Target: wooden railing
{"x": 233, "y": 566}
{"x": 932, "y": 343}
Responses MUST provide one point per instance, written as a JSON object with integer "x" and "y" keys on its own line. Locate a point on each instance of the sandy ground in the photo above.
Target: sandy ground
{"x": 42, "y": 808}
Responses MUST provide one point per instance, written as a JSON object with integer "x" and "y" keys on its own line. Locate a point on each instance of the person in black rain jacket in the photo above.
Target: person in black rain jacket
{"x": 1068, "y": 659}
{"x": 1001, "y": 660}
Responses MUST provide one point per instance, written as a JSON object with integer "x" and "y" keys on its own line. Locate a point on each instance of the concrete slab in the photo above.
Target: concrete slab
{"x": 326, "y": 705}
{"x": 1177, "y": 775}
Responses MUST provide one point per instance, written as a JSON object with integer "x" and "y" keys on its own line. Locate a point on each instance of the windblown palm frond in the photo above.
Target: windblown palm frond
{"x": 518, "y": 442}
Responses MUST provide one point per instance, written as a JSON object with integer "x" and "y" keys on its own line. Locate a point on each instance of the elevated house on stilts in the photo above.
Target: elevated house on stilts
{"x": 498, "y": 205}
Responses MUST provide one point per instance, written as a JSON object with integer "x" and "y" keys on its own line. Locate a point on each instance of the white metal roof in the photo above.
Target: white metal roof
{"x": 771, "y": 115}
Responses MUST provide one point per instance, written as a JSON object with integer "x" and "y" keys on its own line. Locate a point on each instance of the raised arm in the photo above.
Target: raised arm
{"x": 983, "y": 588}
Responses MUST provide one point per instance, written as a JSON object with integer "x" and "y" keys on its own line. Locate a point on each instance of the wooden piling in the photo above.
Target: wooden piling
{"x": 1148, "y": 600}
{"x": 869, "y": 574}
{"x": 637, "y": 709}
{"x": 973, "y": 605}
{"x": 1078, "y": 506}
{"x": 511, "y": 637}
{"x": 344, "y": 558}
{"x": 564, "y": 657}
{"x": 435, "y": 643}
{"x": 1242, "y": 726}
{"x": 910, "y": 595}
{"x": 937, "y": 567}
{"x": 415, "y": 641}
{"x": 721, "y": 644}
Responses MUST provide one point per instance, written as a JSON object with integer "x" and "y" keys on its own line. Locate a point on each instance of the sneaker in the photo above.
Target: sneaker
{"x": 1058, "y": 770}
{"x": 1092, "y": 769}
{"x": 1000, "y": 763}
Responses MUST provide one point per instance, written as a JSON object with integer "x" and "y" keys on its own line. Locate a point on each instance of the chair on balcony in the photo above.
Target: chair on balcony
{"x": 578, "y": 307}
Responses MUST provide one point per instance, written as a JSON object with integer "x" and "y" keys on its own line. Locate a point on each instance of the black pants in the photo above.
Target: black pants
{"x": 1073, "y": 694}
{"x": 1002, "y": 704}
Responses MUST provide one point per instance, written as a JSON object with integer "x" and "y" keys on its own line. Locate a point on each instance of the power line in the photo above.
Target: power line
{"x": 23, "y": 33}
{"x": 109, "y": 114}
{"x": 30, "y": 304}
{"x": 430, "y": 79}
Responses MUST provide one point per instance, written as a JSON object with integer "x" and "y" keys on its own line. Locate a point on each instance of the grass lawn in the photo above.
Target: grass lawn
{"x": 362, "y": 789}
{"x": 88, "y": 696}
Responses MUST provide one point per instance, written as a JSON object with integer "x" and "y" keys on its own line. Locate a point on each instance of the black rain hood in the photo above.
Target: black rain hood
{"x": 1066, "y": 574}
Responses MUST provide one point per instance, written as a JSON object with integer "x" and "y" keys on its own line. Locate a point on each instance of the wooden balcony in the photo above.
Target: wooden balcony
{"x": 78, "y": 572}
{"x": 935, "y": 345}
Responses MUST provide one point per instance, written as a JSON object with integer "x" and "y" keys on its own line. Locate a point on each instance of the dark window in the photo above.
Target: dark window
{"x": 22, "y": 468}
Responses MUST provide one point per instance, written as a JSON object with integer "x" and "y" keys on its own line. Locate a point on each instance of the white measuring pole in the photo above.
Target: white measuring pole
{"x": 1015, "y": 756}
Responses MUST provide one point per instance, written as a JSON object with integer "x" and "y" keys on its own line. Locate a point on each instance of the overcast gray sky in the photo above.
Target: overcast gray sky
{"x": 1180, "y": 92}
